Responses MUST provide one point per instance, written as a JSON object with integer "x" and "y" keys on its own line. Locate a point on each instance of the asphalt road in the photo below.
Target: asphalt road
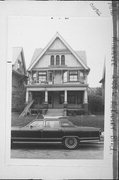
{"x": 86, "y": 150}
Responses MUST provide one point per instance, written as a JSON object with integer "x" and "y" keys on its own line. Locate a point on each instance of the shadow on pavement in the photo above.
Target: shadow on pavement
{"x": 82, "y": 145}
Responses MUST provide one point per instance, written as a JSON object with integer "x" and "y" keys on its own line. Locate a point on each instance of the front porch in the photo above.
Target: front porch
{"x": 69, "y": 100}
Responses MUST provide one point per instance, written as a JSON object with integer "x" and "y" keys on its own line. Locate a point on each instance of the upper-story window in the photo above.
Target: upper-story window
{"x": 81, "y": 74}
{"x": 73, "y": 75}
{"x": 62, "y": 60}
{"x": 52, "y": 60}
{"x": 57, "y": 60}
{"x": 42, "y": 76}
{"x": 34, "y": 75}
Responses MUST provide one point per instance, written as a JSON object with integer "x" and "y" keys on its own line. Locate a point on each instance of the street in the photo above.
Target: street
{"x": 86, "y": 150}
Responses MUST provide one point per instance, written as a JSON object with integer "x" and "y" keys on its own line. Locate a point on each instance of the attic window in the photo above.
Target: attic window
{"x": 62, "y": 60}
{"x": 57, "y": 60}
{"x": 52, "y": 60}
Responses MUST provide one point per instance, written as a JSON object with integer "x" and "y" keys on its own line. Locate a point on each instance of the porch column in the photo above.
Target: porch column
{"x": 27, "y": 96}
{"x": 85, "y": 101}
{"x": 65, "y": 99}
{"x": 46, "y": 97}
{"x": 65, "y": 96}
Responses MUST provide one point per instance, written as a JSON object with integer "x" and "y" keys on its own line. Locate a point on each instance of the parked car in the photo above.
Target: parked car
{"x": 58, "y": 130}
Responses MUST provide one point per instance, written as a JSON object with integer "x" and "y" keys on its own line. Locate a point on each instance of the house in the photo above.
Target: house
{"x": 57, "y": 78}
{"x": 18, "y": 79}
{"x": 102, "y": 81}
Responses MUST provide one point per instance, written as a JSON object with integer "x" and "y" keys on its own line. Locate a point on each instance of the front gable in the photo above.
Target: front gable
{"x": 58, "y": 46}
{"x": 70, "y": 60}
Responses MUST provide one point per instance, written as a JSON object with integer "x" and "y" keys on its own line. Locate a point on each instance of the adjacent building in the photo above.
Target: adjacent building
{"x": 57, "y": 78}
{"x": 18, "y": 79}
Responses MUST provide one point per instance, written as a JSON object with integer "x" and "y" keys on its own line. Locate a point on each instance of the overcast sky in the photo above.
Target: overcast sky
{"x": 90, "y": 34}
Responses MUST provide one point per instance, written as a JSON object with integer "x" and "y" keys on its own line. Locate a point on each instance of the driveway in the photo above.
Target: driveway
{"x": 86, "y": 150}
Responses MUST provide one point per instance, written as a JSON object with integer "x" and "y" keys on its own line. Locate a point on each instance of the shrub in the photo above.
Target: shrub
{"x": 96, "y": 104}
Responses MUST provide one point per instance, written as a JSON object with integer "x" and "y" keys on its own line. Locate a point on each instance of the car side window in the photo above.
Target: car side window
{"x": 52, "y": 124}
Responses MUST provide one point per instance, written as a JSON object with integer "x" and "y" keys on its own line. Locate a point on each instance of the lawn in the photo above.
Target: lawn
{"x": 16, "y": 121}
{"x": 88, "y": 120}
{"x": 83, "y": 120}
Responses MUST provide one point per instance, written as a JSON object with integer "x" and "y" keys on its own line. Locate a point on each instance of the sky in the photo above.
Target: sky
{"x": 90, "y": 34}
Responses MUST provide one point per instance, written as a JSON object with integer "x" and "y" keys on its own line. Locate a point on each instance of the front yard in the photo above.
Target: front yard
{"x": 88, "y": 120}
{"x": 82, "y": 120}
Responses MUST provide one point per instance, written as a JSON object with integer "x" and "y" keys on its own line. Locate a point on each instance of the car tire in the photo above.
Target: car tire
{"x": 70, "y": 142}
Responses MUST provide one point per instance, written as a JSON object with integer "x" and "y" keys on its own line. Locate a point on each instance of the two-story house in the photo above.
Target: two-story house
{"x": 57, "y": 78}
{"x": 18, "y": 79}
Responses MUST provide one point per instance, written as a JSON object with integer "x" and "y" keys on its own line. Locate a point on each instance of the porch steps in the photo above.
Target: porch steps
{"x": 55, "y": 112}
{"x": 26, "y": 109}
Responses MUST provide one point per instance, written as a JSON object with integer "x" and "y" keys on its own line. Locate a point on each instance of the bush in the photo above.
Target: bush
{"x": 96, "y": 104}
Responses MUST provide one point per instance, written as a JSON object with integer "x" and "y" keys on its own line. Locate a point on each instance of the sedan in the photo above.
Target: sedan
{"x": 54, "y": 130}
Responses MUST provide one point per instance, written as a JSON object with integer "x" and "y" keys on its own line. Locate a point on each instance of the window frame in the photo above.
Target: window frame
{"x": 62, "y": 60}
{"x": 73, "y": 74}
{"x": 42, "y": 75}
{"x": 57, "y": 60}
{"x": 52, "y": 61}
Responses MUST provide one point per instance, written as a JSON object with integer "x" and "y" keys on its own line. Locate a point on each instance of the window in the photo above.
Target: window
{"x": 52, "y": 124}
{"x": 62, "y": 60}
{"x": 34, "y": 77}
{"x": 73, "y": 75}
{"x": 57, "y": 60}
{"x": 50, "y": 76}
{"x": 52, "y": 60}
{"x": 42, "y": 76}
{"x": 81, "y": 74}
{"x": 65, "y": 76}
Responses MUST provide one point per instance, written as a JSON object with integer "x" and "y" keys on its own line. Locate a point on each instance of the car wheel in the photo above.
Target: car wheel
{"x": 71, "y": 142}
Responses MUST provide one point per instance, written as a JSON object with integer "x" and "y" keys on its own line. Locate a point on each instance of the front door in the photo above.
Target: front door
{"x": 56, "y": 99}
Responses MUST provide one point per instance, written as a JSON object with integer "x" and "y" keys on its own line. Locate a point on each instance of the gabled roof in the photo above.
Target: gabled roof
{"x": 16, "y": 53}
{"x": 79, "y": 55}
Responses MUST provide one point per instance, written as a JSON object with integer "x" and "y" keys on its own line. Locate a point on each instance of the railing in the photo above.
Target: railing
{"x": 74, "y": 106}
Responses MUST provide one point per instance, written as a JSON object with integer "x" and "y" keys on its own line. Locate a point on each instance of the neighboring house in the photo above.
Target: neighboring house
{"x": 57, "y": 78}
{"x": 18, "y": 79}
{"x": 102, "y": 81}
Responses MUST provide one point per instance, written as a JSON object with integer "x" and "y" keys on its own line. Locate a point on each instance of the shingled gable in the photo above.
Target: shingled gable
{"x": 79, "y": 55}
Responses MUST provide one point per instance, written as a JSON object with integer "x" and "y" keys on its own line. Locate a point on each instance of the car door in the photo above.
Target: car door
{"x": 52, "y": 130}
{"x": 33, "y": 131}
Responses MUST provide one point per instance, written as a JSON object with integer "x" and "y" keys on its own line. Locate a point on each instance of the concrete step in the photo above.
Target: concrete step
{"x": 55, "y": 112}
